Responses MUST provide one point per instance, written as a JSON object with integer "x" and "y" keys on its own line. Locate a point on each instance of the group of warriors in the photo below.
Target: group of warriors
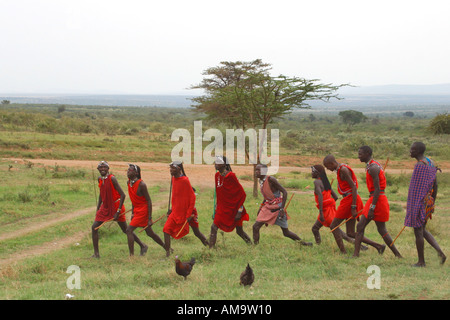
{"x": 230, "y": 212}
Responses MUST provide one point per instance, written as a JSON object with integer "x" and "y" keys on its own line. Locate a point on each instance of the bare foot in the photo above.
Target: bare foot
{"x": 443, "y": 258}
{"x": 306, "y": 244}
{"x": 144, "y": 249}
{"x": 419, "y": 265}
{"x": 381, "y": 249}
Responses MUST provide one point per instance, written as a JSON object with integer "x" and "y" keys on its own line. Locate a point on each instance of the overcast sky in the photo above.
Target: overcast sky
{"x": 162, "y": 47}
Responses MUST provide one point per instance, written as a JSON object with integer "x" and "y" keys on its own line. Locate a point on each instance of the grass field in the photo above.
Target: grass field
{"x": 47, "y": 210}
{"x": 283, "y": 269}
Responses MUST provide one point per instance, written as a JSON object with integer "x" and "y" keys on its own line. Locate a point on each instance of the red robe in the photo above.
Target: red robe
{"x": 230, "y": 197}
{"x": 183, "y": 206}
{"x": 381, "y": 212}
{"x": 110, "y": 201}
{"x": 140, "y": 206}
{"x": 328, "y": 206}
{"x": 344, "y": 210}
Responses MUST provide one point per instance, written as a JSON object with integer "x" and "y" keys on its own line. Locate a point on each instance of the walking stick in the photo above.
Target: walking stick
{"x": 397, "y": 236}
{"x": 347, "y": 220}
{"x": 95, "y": 187}
{"x": 426, "y": 218}
{"x": 385, "y": 165}
{"x": 181, "y": 229}
{"x": 289, "y": 202}
{"x": 153, "y": 223}
{"x": 111, "y": 219}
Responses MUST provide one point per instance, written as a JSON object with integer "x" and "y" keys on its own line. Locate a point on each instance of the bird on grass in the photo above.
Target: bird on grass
{"x": 247, "y": 276}
{"x": 184, "y": 268}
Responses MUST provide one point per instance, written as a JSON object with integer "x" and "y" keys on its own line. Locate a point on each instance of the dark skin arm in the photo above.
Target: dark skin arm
{"x": 122, "y": 196}
{"x": 276, "y": 186}
{"x": 142, "y": 191}
{"x": 334, "y": 195}
{"x": 374, "y": 171}
{"x": 346, "y": 176}
{"x": 318, "y": 189}
{"x": 435, "y": 184}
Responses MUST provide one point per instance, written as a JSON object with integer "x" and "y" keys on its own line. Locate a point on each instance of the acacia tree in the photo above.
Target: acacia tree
{"x": 352, "y": 117}
{"x": 245, "y": 95}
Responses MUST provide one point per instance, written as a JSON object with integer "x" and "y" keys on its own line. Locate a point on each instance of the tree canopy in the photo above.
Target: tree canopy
{"x": 245, "y": 94}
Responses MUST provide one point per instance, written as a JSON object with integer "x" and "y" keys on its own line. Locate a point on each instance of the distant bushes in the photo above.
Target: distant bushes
{"x": 440, "y": 124}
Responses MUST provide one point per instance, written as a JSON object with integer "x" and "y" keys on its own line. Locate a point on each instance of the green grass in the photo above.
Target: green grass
{"x": 283, "y": 269}
{"x": 34, "y": 194}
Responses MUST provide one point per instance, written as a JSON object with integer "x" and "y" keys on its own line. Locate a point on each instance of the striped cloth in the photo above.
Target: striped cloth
{"x": 418, "y": 202}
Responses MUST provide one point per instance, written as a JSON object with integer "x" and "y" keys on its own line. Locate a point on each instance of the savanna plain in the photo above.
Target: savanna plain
{"x": 48, "y": 196}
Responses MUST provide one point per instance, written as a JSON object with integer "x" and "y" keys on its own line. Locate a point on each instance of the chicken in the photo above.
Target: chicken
{"x": 184, "y": 268}
{"x": 247, "y": 276}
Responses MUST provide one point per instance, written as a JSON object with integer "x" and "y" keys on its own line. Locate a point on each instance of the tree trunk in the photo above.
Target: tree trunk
{"x": 255, "y": 183}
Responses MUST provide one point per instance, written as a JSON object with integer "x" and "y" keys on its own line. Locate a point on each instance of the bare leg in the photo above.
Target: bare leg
{"x": 200, "y": 235}
{"x": 256, "y": 227}
{"x": 351, "y": 240}
{"x": 360, "y": 237}
{"x": 421, "y": 234}
{"x": 154, "y": 236}
{"x": 382, "y": 230}
{"x": 240, "y": 231}
{"x": 95, "y": 238}
{"x": 167, "y": 243}
{"x": 315, "y": 230}
{"x": 130, "y": 236}
{"x": 213, "y": 236}
{"x": 125, "y": 229}
{"x": 338, "y": 234}
{"x": 418, "y": 232}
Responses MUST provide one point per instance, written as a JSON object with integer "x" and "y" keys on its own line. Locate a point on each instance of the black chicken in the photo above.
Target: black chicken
{"x": 247, "y": 276}
{"x": 184, "y": 268}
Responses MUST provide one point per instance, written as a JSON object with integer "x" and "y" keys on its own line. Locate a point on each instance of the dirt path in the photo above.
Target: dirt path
{"x": 51, "y": 220}
{"x": 201, "y": 175}
{"x": 58, "y": 244}
{"x": 153, "y": 174}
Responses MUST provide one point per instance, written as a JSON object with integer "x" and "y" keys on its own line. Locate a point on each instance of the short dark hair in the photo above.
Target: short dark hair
{"x": 420, "y": 146}
{"x": 366, "y": 149}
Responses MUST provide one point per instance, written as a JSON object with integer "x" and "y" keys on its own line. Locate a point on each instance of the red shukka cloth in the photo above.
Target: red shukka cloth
{"x": 230, "y": 197}
{"x": 183, "y": 203}
{"x": 110, "y": 201}
{"x": 140, "y": 206}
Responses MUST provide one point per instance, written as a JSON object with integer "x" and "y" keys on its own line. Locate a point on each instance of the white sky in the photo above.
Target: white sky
{"x": 158, "y": 47}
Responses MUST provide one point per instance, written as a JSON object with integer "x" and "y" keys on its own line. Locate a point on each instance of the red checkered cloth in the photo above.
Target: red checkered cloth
{"x": 420, "y": 188}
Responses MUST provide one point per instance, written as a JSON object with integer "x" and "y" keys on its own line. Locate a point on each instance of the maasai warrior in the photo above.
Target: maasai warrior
{"x": 272, "y": 210}
{"x": 183, "y": 213}
{"x": 351, "y": 204}
{"x": 326, "y": 203}
{"x": 420, "y": 204}
{"x": 110, "y": 204}
{"x": 141, "y": 209}
{"x": 229, "y": 212}
{"x": 377, "y": 207}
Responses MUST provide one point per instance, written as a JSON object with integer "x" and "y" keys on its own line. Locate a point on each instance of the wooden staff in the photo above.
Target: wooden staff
{"x": 170, "y": 193}
{"x": 385, "y": 165}
{"x": 95, "y": 187}
{"x": 181, "y": 229}
{"x": 347, "y": 220}
{"x": 289, "y": 202}
{"x": 111, "y": 219}
{"x": 397, "y": 236}
{"x": 153, "y": 223}
{"x": 426, "y": 218}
